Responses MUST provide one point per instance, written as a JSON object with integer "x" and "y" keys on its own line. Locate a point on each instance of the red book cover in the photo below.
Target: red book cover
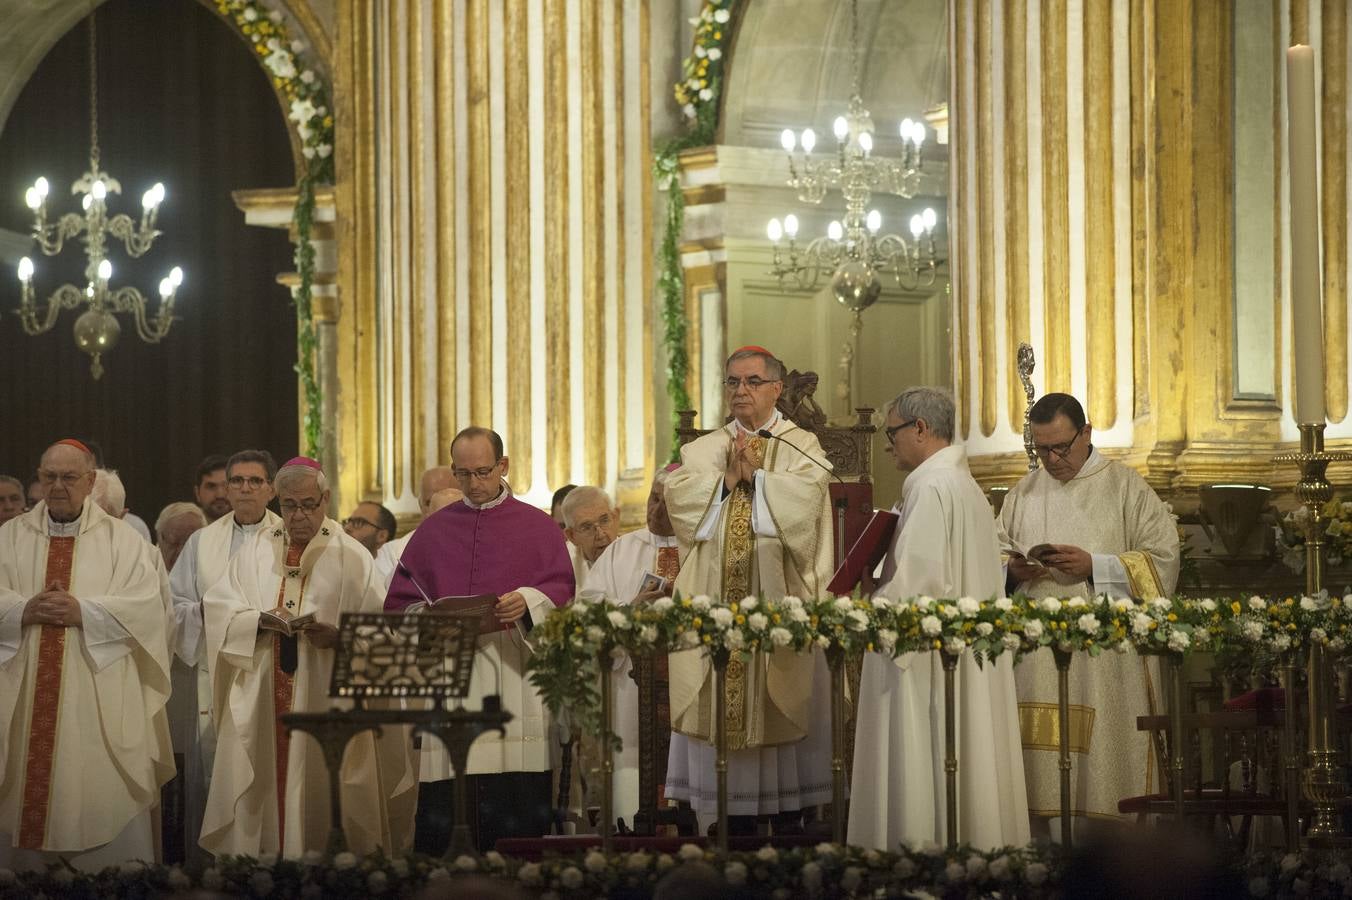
{"x": 866, "y": 553}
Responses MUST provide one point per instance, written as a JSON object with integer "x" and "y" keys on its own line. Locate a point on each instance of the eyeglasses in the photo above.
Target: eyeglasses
{"x": 290, "y": 509}
{"x": 252, "y": 481}
{"x": 891, "y": 433}
{"x": 590, "y": 528}
{"x": 69, "y": 479}
{"x": 357, "y": 522}
{"x": 479, "y": 474}
{"x": 1060, "y": 451}
{"x": 753, "y": 382}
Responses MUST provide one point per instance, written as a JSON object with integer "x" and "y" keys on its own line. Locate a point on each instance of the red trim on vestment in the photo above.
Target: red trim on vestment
{"x": 283, "y": 687}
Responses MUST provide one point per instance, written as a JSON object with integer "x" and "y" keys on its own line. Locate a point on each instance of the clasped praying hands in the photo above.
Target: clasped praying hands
{"x": 744, "y": 458}
{"x": 53, "y": 606}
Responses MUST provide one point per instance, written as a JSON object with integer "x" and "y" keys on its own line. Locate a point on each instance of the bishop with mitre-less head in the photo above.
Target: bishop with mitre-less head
{"x": 84, "y": 677}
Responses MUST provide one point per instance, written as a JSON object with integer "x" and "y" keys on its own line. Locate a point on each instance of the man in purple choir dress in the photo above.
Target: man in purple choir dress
{"x": 489, "y": 543}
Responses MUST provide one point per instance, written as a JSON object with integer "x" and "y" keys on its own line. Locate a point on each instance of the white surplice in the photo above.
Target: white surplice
{"x": 945, "y": 546}
{"x": 1108, "y": 510}
{"x": 790, "y": 538}
{"x": 334, "y": 576}
{"x": 199, "y": 566}
{"x": 616, "y": 576}
{"x": 112, "y": 750}
{"x": 387, "y": 559}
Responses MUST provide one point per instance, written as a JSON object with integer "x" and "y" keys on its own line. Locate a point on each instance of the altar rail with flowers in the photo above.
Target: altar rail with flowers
{"x": 577, "y": 643}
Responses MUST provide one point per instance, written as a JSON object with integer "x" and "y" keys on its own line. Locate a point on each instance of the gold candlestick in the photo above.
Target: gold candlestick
{"x": 1063, "y": 659}
{"x": 607, "y": 756}
{"x": 835, "y": 659}
{"x": 950, "y": 663}
{"x": 1323, "y": 783}
{"x": 721, "y": 658}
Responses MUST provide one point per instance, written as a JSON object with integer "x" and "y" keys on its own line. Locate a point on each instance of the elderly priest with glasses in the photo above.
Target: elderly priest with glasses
{"x": 492, "y": 550}
{"x": 271, "y": 629}
{"x": 753, "y": 518}
{"x": 84, "y": 677}
{"x": 1083, "y": 525}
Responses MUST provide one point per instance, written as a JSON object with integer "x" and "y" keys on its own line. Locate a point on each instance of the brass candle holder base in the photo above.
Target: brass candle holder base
{"x": 1323, "y": 783}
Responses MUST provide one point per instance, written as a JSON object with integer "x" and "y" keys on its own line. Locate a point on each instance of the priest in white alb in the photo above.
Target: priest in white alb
{"x": 754, "y": 517}
{"x": 945, "y": 546}
{"x": 269, "y": 788}
{"x": 84, "y": 678}
{"x": 1110, "y": 534}
{"x": 247, "y": 476}
{"x": 617, "y": 576}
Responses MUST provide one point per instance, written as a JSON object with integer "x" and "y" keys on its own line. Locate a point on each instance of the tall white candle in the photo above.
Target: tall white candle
{"x": 1307, "y": 314}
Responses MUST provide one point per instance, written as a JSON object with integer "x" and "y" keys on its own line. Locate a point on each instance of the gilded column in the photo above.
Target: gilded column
{"x": 1333, "y": 196}
{"x": 1099, "y": 201}
{"x": 1015, "y": 170}
{"x": 1055, "y": 356}
{"x": 516, "y": 159}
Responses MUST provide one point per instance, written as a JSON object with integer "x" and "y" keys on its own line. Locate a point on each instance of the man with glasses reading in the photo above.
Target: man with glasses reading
{"x": 1108, "y": 534}
{"x": 490, "y": 544}
{"x": 269, "y": 791}
{"x": 945, "y": 545}
{"x": 84, "y": 677}
{"x": 753, "y": 518}
{"x": 203, "y": 560}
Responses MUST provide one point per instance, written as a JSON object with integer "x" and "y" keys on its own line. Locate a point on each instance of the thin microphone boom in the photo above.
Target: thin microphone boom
{"x": 765, "y": 433}
{"x": 840, "y": 503}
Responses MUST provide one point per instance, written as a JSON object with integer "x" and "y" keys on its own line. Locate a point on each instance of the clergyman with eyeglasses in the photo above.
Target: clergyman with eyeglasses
{"x": 591, "y": 522}
{"x": 489, "y": 543}
{"x": 753, "y": 518}
{"x": 1109, "y": 533}
{"x": 269, "y": 790}
{"x": 84, "y": 675}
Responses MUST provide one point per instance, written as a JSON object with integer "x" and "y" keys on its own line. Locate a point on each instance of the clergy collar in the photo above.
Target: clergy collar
{"x": 250, "y": 528}
{"x": 63, "y": 529}
{"x": 769, "y": 425}
{"x": 500, "y": 499}
{"x": 665, "y": 540}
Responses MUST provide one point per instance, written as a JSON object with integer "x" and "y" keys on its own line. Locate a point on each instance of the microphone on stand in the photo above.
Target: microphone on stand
{"x": 840, "y": 503}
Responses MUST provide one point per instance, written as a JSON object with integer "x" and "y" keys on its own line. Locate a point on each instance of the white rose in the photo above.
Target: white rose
{"x": 931, "y": 625}
{"x": 968, "y": 607}
{"x": 1004, "y": 604}
{"x": 924, "y": 602}
{"x": 663, "y": 605}
{"x": 780, "y": 637}
{"x": 984, "y": 628}
{"x": 887, "y": 638}
{"x": 1123, "y": 605}
{"x": 791, "y": 602}
{"x": 1076, "y": 603}
{"x": 617, "y": 619}
{"x": 638, "y": 862}
{"x": 308, "y": 76}
{"x": 798, "y": 614}
{"x": 767, "y": 854}
{"x": 1051, "y": 605}
{"x": 1140, "y": 624}
{"x": 690, "y": 852}
{"x": 757, "y": 621}
{"x": 735, "y": 874}
{"x": 1178, "y": 641}
{"x": 1337, "y": 645}
{"x": 689, "y": 639}
{"x": 881, "y": 603}
{"x": 722, "y": 616}
{"x": 529, "y": 873}
{"x": 1319, "y": 636}
{"x": 843, "y": 605}
{"x": 1088, "y": 623}
{"x": 721, "y": 16}
{"x": 1256, "y": 603}
{"x": 1011, "y": 642}
{"x": 250, "y": 14}
{"x": 648, "y": 634}
{"x": 1032, "y": 630}
{"x": 572, "y": 878}
{"x": 1208, "y": 605}
{"x": 1162, "y": 604}
{"x": 700, "y": 51}
{"x": 858, "y": 620}
{"x": 822, "y": 641}
{"x": 344, "y": 860}
{"x": 466, "y": 863}
{"x": 1307, "y": 604}
{"x": 948, "y": 612}
{"x": 701, "y": 603}
{"x": 1121, "y": 647}
{"x": 734, "y": 639}
{"x": 954, "y": 646}
{"x": 706, "y": 94}
{"x": 596, "y": 634}
{"x": 748, "y": 603}
{"x": 1251, "y": 630}
{"x": 595, "y": 861}
{"x": 1281, "y": 643}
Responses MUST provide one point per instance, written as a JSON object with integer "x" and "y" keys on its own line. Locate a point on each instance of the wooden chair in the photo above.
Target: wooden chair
{"x": 849, "y": 448}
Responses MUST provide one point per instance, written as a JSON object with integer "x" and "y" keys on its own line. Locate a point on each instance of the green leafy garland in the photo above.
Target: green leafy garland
{"x": 698, "y": 95}
{"x": 310, "y": 112}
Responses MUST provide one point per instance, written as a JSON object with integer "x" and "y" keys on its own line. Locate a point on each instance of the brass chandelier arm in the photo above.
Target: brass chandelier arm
{"x": 52, "y": 238}
{"x": 129, "y": 300}
{"x": 135, "y": 238}
{"x": 68, "y": 296}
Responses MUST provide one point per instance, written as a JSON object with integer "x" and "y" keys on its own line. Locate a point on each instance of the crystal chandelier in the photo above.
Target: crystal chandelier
{"x": 96, "y": 329}
{"x": 853, "y": 250}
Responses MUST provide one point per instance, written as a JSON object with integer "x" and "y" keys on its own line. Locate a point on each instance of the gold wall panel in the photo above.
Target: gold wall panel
{"x": 1333, "y": 197}
{"x": 1055, "y": 357}
{"x": 1099, "y": 239}
{"x": 1015, "y": 114}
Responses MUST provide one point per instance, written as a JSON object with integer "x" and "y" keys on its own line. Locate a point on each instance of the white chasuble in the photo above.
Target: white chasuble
{"x": 269, "y": 791}
{"x": 945, "y": 546}
{"x": 617, "y": 576}
{"x": 1108, "y": 510}
{"x": 85, "y": 746}
{"x": 772, "y": 541}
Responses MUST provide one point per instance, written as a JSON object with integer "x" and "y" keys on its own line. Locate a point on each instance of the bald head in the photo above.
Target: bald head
{"x": 437, "y": 478}
{"x": 444, "y": 498}
{"x": 67, "y": 474}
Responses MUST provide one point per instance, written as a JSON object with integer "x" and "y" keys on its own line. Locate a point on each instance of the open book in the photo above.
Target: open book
{"x": 282, "y": 622}
{"x": 481, "y": 605}
{"x": 867, "y": 552}
{"x": 1035, "y": 554}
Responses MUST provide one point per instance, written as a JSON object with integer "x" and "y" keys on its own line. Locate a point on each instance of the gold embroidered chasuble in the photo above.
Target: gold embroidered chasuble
{"x": 1108, "y": 510}
{"x": 769, "y": 695}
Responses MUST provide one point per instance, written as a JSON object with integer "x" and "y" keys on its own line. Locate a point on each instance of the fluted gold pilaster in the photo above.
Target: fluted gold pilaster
{"x": 556, "y": 201}
{"x": 1300, "y": 21}
{"x": 1140, "y": 263}
{"x": 1055, "y": 215}
{"x": 1099, "y": 236}
{"x": 963, "y": 95}
{"x": 593, "y": 252}
{"x": 447, "y": 156}
{"x": 1015, "y": 171}
{"x": 1333, "y": 194}
{"x": 516, "y": 159}
{"x": 416, "y": 26}
{"x": 646, "y": 159}
{"x": 620, "y": 288}
{"x": 479, "y": 151}
{"x": 397, "y": 128}
{"x": 986, "y": 223}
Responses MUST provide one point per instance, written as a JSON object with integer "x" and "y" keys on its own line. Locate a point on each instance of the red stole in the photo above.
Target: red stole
{"x": 283, "y": 686}
{"x": 37, "y": 785}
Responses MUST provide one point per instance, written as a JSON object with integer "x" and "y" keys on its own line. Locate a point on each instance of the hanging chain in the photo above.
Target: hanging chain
{"x": 854, "y": 45}
{"x": 93, "y": 97}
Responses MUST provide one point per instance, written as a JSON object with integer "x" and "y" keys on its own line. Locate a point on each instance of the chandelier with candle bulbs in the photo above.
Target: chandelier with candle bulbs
{"x": 97, "y": 328}
{"x": 854, "y": 251}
